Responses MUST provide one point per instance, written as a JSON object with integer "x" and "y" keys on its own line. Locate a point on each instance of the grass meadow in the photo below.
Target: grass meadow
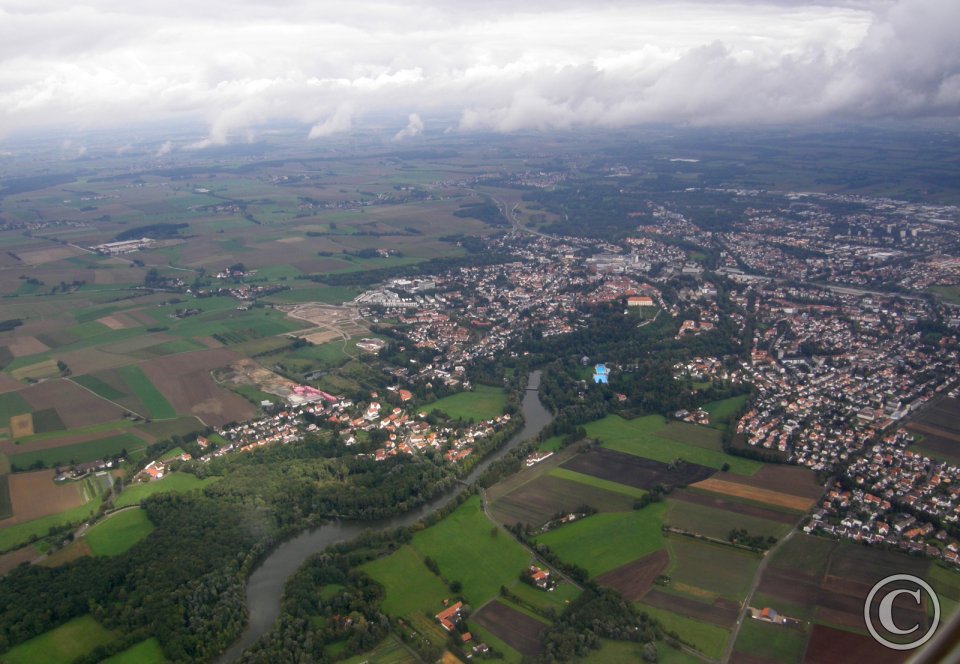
{"x": 118, "y": 532}
{"x": 172, "y": 483}
{"x": 603, "y": 542}
{"x": 483, "y": 403}
{"x": 61, "y": 645}
{"x": 639, "y": 437}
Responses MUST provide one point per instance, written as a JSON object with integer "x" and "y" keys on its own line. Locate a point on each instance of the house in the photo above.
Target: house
{"x": 450, "y": 616}
{"x": 639, "y": 301}
{"x": 539, "y": 577}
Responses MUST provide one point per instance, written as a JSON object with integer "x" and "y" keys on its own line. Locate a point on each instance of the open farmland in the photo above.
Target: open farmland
{"x": 536, "y": 502}
{"x": 118, "y": 532}
{"x": 755, "y": 494}
{"x": 829, "y": 646}
{"x": 185, "y": 382}
{"x": 604, "y": 542}
{"x": 635, "y": 471}
{"x": 718, "y": 523}
{"x": 410, "y": 587}
{"x": 76, "y": 406}
{"x": 61, "y": 645}
{"x": 938, "y": 425}
{"x": 716, "y": 611}
{"x": 705, "y": 570}
{"x": 518, "y": 630}
{"x": 35, "y": 494}
{"x": 641, "y": 437}
{"x": 708, "y": 638}
{"x": 771, "y": 642}
{"x": 748, "y": 509}
{"x": 99, "y": 448}
{"x": 792, "y": 480}
{"x": 468, "y": 550}
{"x": 634, "y": 579}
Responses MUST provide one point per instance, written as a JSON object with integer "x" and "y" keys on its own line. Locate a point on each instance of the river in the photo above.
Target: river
{"x": 265, "y": 586}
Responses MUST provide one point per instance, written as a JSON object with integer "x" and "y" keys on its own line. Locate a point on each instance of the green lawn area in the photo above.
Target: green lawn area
{"x": 143, "y": 389}
{"x": 603, "y": 542}
{"x": 19, "y": 534}
{"x": 327, "y": 294}
{"x": 708, "y": 639}
{"x": 483, "y": 403}
{"x": 61, "y": 645}
{"x": 79, "y": 453}
{"x": 949, "y": 294}
{"x": 118, "y": 532}
{"x": 717, "y": 523}
{"x": 722, "y": 411}
{"x": 557, "y": 598}
{"x": 697, "y": 566}
{"x": 639, "y": 437}
{"x": 411, "y": 587}
{"x": 552, "y": 444}
{"x": 174, "y": 483}
{"x": 590, "y": 480}
{"x": 145, "y": 652}
{"x": 771, "y": 641}
{"x": 466, "y": 551}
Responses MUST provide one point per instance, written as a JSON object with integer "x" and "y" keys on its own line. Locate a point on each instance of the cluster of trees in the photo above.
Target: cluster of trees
{"x": 155, "y": 231}
{"x": 184, "y": 583}
{"x": 599, "y": 613}
{"x": 742, "y": 537}
{"x": 432, "y": 266}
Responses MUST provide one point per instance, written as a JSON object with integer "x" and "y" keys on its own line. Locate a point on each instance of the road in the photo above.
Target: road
{"x": 744, "y": 610}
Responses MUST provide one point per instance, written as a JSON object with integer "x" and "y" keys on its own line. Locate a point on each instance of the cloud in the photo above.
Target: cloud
{"x": 492, "y": 66}
{"x": 339, "y": 122}
{"x": 164, "y": 149}
{"x": 414, "y": 128}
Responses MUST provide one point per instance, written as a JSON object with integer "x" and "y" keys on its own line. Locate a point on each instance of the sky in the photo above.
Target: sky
{"x": 235, "y": 66}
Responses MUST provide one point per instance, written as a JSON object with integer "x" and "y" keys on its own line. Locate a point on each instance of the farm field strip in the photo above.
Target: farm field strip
{"x": 518, "y": 630}
{"x": 757, "y": 494}
{"x": 640, "y": 437}
{"x": 606, "y": 485}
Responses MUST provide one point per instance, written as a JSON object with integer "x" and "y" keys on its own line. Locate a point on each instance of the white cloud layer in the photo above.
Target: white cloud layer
{"x": 239, "y": 64}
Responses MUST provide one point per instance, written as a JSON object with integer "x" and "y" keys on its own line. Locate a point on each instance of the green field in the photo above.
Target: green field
{"x": 118, "y": 532}
{"x": 174, "y": 483}
{"x": 717, "y": 569}
{"x": 6, "y": 505}
{"x": 157, "y": 405}
{"x": 466, "y": 551}
{"x": 638, "y": 437}
{"x": 47, "y": 420}
{"x": 692, "y": 434}
{"x": 389, "y": 651}
{"x": 603, "y": 542}
{"x": 145, "y": 652}
{"x": 61, "y": 645}
{"x": 717, "y": 523}
{"x": 708, "y": 639}
{"x": 770, "y": 641}
{"x": 19, "y": 534}
{"x": 11, "y": 404}
{"x": 804, "y": 553}
{"x": 483, "y": 403}
{"x": 721, "y": 412}
{"x": 411, "y": 587}
{"x": 590, "y": 480}
{"x": 79, "y": 453}
{"x": 557, "y": 599}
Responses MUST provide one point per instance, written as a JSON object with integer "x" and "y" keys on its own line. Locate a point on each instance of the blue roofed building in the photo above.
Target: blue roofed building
{"x": 600, "y": 374}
